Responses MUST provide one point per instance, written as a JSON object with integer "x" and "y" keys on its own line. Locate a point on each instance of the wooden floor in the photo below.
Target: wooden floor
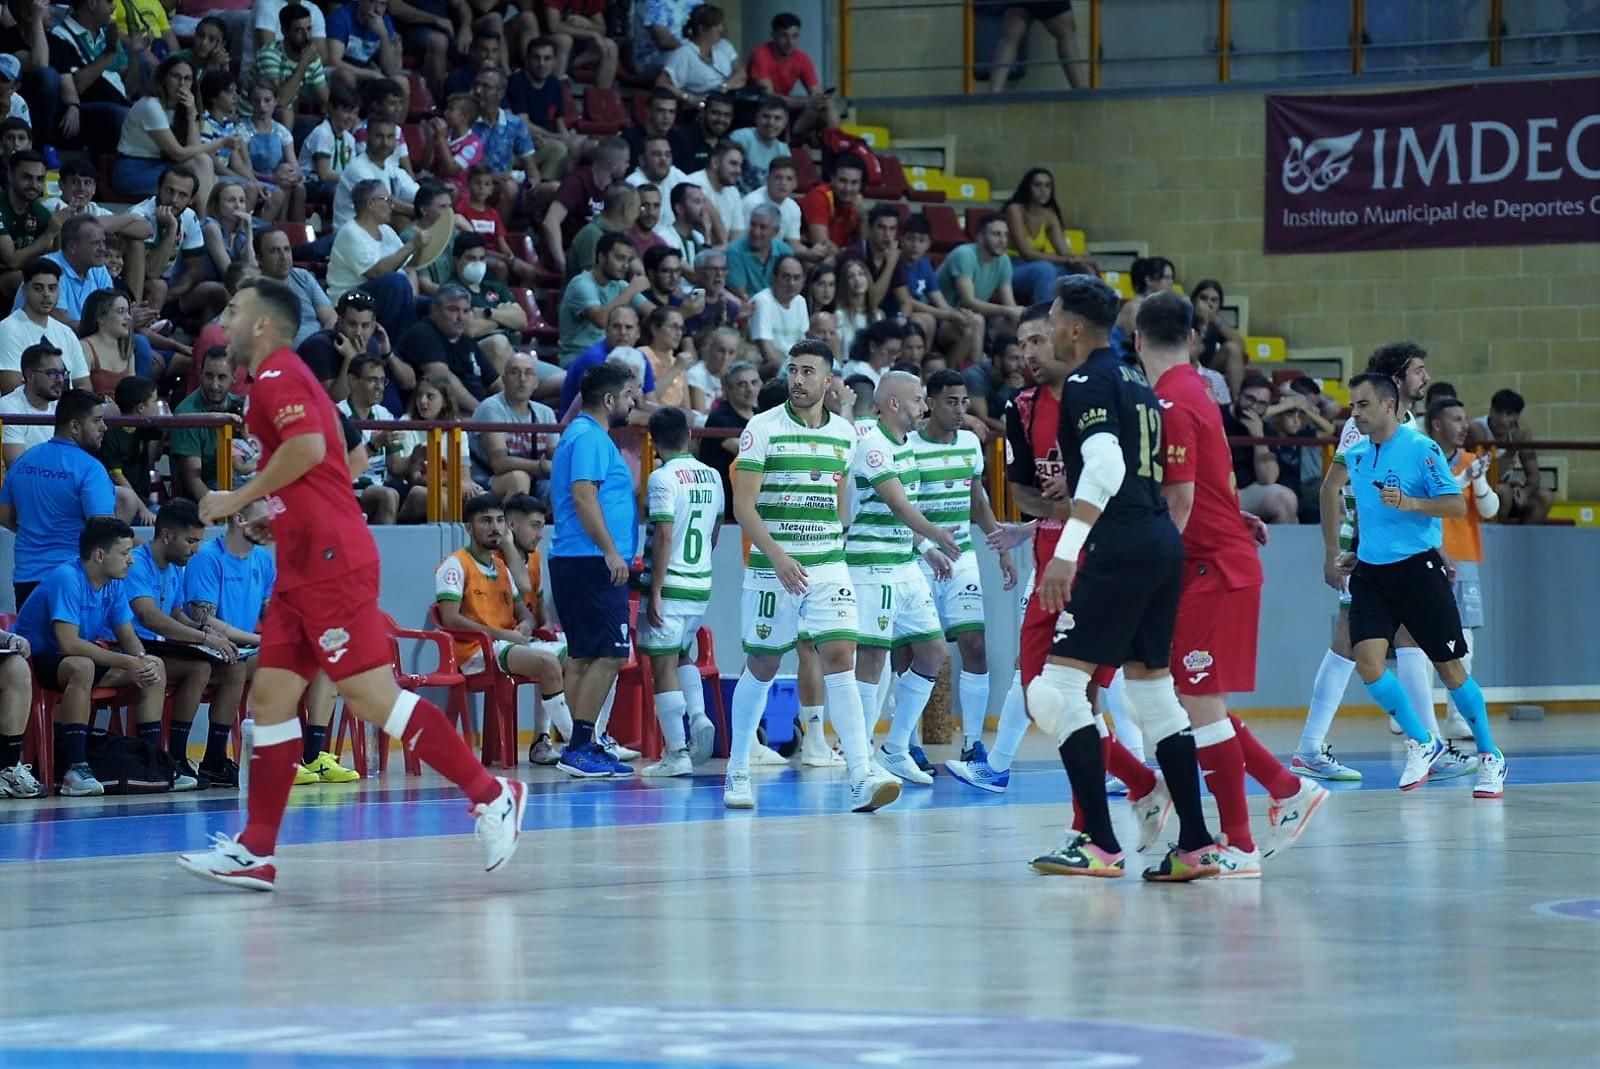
{"x": 642, "y": 925}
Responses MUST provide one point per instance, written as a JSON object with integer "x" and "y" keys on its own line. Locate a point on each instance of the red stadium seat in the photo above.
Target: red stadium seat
{"x": 446, "y": 675}
{"x": 569, "y": 107}
{"x": 945, "y": 226}
{"x": 805, "y": 172}
{"x": 421, "y": 102}
{"x": 895, "y": 187}
{"x": 603, "y": 112}
{"x": 538, "y": 328}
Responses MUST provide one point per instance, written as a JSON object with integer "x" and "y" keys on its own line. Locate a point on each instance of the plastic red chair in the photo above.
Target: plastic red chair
{"x": 421, "y": 104}
{"x": 445, "y": 675}
{"x": 603, "y": 112}
{"x": 499, "y": 690}
{"x": 706, "y": 662}
{"x": 538, "y": 328}
{"x": 418, "y": 145}
{"x": 945, "y": 226}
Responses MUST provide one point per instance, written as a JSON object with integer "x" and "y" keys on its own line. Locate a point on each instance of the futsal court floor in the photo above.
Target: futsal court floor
{"x": 643, "y": 925}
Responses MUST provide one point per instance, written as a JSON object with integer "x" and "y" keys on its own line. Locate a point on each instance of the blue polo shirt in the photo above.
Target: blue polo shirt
{"x": 360, "y": 43}
{"x": 67, "y": 595}
{"x": 75, "y": 288}
{"x": 1413, "y": 462}
{"x": 237, "y": 586}
{"x": 147, "y": 579}
{"x": 595, "y": 354}
{"x": 54, "y": 487}
{"x": 586, "y": 453}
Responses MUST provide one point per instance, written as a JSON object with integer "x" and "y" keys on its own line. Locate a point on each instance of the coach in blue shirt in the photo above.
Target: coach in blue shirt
{"x": 53, "y": 489}
{"x": 596, "y": 536}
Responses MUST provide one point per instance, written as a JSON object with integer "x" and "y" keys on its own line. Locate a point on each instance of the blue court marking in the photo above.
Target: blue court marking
{"x": 1582, "y": 909}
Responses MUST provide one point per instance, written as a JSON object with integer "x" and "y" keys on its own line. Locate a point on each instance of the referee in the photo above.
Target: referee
{"x": 1403, "y": 487}
{"x": 596, "y": 536}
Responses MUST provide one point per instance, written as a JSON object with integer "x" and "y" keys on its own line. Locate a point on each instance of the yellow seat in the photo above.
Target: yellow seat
{"x": 1119, "y": 282}
{"x": 1581, "y": 513}
{"x": 1266, "y": 350}
{"x": 1336, "y": 389}
{"x": 876, "y": 136}
{"x": 1077, "y": 242}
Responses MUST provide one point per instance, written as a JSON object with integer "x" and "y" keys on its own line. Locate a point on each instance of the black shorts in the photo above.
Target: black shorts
{"x": 1040, "y": 10}
{"x": 22, "y": 590}
{"x": 47, "y": 671}
{"x": 1124, "y": 608}
{"x": 1413, "y": 593}
{"x": 594, "y": 614}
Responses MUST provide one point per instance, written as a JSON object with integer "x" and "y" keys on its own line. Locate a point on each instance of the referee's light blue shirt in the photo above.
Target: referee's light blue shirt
{"x": 1413, "y": 462}
{"x": 586, "y": 453}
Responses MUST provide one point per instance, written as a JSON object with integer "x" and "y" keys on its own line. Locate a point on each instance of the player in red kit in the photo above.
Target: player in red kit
{"x": 1214, "y": 641}
{"x": 324, "y": 614}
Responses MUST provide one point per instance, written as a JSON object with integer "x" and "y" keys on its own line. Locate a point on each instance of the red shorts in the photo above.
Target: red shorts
{"x": 1038, "y": 626}
{"x": 1214, "y": 642}
{"x": 337, "y": 629}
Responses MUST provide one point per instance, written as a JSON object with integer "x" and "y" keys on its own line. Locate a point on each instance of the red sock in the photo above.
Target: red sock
{"x": 1121, "y": 763}
{"x": 1223, "y": 765}
{"x": 1077, "y": 815}
{"x": 1263, "y": 767}
{"x": 272, "y": 769}
{"x": 429, "y": 734}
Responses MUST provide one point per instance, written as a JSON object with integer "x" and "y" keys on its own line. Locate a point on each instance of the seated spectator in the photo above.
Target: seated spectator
{"x": 663, "y": 269}
{"x": 433, "y": 201}
{"x": 863, "y": 393}
{"x": 778, "y": 316}
{"x": 291, "y": 67}
{"x": 822, "y": 286}
{"x": 208, "y": 49}
{"x": 129, "y": 452}
{"x": 777, "y": 190}
{"x": 879, "y": 251}
{"x": 76, "y": 604}
{"x": 79, "y": 183}
{"x": 762, "y": 144}
{"x": 1040, "y": 253}
{"x": 690, "y": 221}
{"x": 44, "y": 380}
{"x": 832, "y": 212}
{"x": 719, "y": 352}
{"x": 1148, "y": 274}
{"x": 478, "y": 217}
{"x": 718, "y": 308}
{"x": 704, "y": 62}
{"x": 106, "y": 334}
{"x": 194, "y": 449}
{"x": 779, "y": 66}
{"x": 363, "y": 44}
{"x": 384, "y": 99}
{"x": 370, "y": 256}
{"x": 379, "y": 162}
{"x": 646, "y": 231}
{"x": 693, "y": 143}
{"x": 1055, "y": 18}
{"x": 720, "y": 180}
{"x": 1255, "y": 467}
{"x": 267, "y": 19}
{"x": 1299, "y": 466}
{"x": 824, "y": 328}
{"x": 656, "y": 168}
{"x": 27, "y": 228}
{"x": 276, "y": 259}
{"x": 161, "y": 130}
{"x": 497, "y": 320}
{"x": 13, "y": 105}
{"x": 433, "y": 400}
{"x": 535, "y": 93}
{"x": 379, "y": 497}
{"x": 150, "y": 19}
{"x": 875, "y": 350}
{"x": 356, "y": 332}
{"x": 852, "y": 306}
{"x": 654, "y": 31}
{"x": 220, "y": 123}
{"x": 577, "y": 27}
{"x": 1522, "y": 499}
{"x": 589, "y": 297}
{"x": 507, "y": 145}
{"x": 97, "y": 91}
{"x": 660, "y": 119}
{"x": 992, "y": 383}
{"x": 740, "y": 384}
{"x": 330, "y": 146}
{"x": 270, "y": 147}
{"x": 1222, "y": 347}
{"x": 170, "y": 264}
{"x": 457, "y": 148}
{"x": 751, "y": 258}
{"x": 913, "y": 344}
{"x": 514, "y": 463}
{"x": 620, "y": 213}
{"x": 665, "y": 349}
{"x": 228, "y": 230}
{"x": 486, "y": 49}
{"x": 440, "y": 348}
{"x": 977, "y": 276}
{"x": 34, "y": 322}
{"x": 431, "y": 28}
{"x": 580, "y": 198}
{"x": 622, "y": 332}
{"x": 83, "y": 249}
{"x": 16, "y": 707}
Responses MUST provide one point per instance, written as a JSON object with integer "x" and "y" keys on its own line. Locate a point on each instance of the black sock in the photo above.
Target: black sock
{"x": 582, "y": 733}
{"x": 1086, "y": 769}
{"x": 316, "y": 741}
{"x": 10, "y": 751}
{"x": 178, "y": 739}
{"x": 1175, "y": 755}
{"x": 150, "y": 733}
{"x": 217, "y": 736}
{"x": 73, "y": 740}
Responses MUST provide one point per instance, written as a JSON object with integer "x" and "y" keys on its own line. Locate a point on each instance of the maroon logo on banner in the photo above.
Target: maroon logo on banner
{"x": 1507, "y": 163}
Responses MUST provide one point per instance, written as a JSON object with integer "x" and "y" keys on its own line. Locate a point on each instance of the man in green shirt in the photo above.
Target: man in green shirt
{"x": 977, "y": 276}
{"x": 27, "y": 229}
{"x": 291, "y": 66}
{"x": 195, "y": 448}
{"x": 620, "y": 212}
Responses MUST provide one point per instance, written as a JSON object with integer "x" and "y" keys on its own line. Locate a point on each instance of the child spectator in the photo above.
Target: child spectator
{"x": 219, "y": 96}
{"x": 273, "y": 160}
{"x": 228, "y": 231}
{"x": 128, "y": 452}
{"x": 458, "y": 148}
{"x": 12, "y": 103}
{"x": 330, "y": 146}
{"x": 476, "y": 216}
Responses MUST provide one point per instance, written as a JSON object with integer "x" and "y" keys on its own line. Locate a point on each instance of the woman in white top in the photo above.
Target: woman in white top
{"x": 852, "y": 306}
{"x": 161, "y": 130}
{"x": 705, "y": 62}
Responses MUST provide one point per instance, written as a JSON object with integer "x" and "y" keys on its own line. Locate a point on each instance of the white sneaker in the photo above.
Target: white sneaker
{"x": 671, "y": 764}
{"x": 230, "y": 864}
{"x": 1236, "y": 864}
{"x": 903, "y": 767}
{"x": 544, "y": 752}
{"x": 1288, "y": 818}
{"x": 702, "y": 740}
{"x": 1452, "y": 763}
{"x": 764, "y": 756}
{"x": 80, "y": 782}
{"x": 1152, "y": 812}
{"x": 737, "y": 793}
{"x": 1420, "y": 757}
{"x": 1491, "y": 776}
{"x": 19, "y": 781}
{"x": 616, "y": 749}
{"x": 500, "y": 823}
{"x": 820, "y": 755}
{"x": 1115, "y": 786}
{"x": 867, "y": 795}
{"x": 1455, "y": 726}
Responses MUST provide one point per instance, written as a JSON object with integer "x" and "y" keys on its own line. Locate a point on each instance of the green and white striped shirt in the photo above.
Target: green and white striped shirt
{"x": 947, "y": 471}
{"x": 801, "y": 469}
{"x": 1348, "y": 437}
{"x": 876, "y": 536}
{"x": 688, "y": 495}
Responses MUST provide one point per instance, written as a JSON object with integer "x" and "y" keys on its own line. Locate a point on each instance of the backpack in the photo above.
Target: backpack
{"x": 129, "y": 765}
{"x": 838, "y": 143}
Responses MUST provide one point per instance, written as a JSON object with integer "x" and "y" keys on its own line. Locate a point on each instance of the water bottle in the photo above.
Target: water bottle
{"x": 247, "y": 745}
{"x": 375, "y": 744}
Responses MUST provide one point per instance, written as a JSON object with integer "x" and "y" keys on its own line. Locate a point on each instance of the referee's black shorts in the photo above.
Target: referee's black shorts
{"x": 593, "y": 612}
{"x": 1413, "y": 593}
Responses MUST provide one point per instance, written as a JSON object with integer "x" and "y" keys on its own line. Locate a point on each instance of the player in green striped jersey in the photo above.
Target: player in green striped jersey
{"x": 788, "y": 496}
{"x": 685, "y": 504}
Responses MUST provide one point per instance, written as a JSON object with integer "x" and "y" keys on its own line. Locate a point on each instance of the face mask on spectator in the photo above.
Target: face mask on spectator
{"x": 473, "y": 273}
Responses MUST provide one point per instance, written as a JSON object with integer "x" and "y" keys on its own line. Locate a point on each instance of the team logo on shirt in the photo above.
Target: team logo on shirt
{"x": 763, "y": 630}
{"x": 746, "y": 441}
{"x": 875, "y": 459}
{"x": 1198, "y": 660}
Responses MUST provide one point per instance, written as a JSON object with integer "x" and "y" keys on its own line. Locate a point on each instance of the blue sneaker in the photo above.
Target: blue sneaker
{"x": 975, "y": 752}
{"x": 619, "y": 769}
{"x": 978, "y": 774}
{"x": 921, "y": 760}
{"x": 589, "y": 761}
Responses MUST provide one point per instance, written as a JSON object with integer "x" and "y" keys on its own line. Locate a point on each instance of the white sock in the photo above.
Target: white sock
{"x": 557, "y": 714}
{"x": 603, "y": 721}
{"x": 1466, "y": 666}
{"x": 1128, "y": 733}
{"x": 1327, "y": 691}
{"x": 867, "y": 696}
{"x": 1013, "y": 726}
{"x": 669, "y": 711}
{"x": 749, "y": 702}
{"x": 541, "y": 716}
{"x": 693, "y": 688}
{"x": 844, "y": 706}
{"x": 973, "y": 688}
{"x": 816, "y": 736}
{"x": 1415, "y": 673}
{"x": 911, "y": 697}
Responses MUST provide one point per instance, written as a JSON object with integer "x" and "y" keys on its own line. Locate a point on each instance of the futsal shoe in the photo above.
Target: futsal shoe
{"x": 588, "y": 761}
{"x": 185, "y": 778}
{"x": 499, "y": 823}
{"x": 1491, "y": 776}
{"x": 816, "y": 753}
{"x": 920, "y": 756}
{"x": 868, "y": 795}
{"x": 1322, "y": 765}
{"x": 1076, "y": 855}
{"x": 1420, "y": 757}
{"x": 678, "y": 763}
{"x": 702, "y": 740}
{"x": 18, "y": 781}
{"x": 975, "y": 752}
{"x": 903, "y": 767}
{"x": 1152, "y": 812}
{"x": 1455, "y": 726}
{"x": 1288, "y": 819}
{"x": 329, "y": 770}
{"x": 1236, "y": 864}
{"x": 304, "y": 777}
{"x": 230, "y": 864}
{"x": 80, "y": 782}
{"x": 764, "y": 756}
{"x": 543, "y": 752}
{"x": 224, "y": 773}
{"x": 737, "y": 791}
{"x": 617, "y": 751}
{"x": 978, "y": 774}
{"x": 1182, "y": 866}
{"x": 1452, "y": 763}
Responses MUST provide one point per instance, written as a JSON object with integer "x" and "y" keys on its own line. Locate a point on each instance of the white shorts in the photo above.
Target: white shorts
{"x": 679, "y": 625}
{"x": 773, "y": 619}
{"x": 895, "y": 608}
{"x": 1468, "y": 589}
{"x": 959, "y": 598}
{"x": 474, "y": 664}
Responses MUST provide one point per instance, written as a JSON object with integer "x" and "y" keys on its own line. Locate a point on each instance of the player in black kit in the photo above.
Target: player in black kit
{"x": 1120, "y": 605}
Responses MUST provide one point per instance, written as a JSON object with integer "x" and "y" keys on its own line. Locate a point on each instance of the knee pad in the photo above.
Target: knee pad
{"x": 1156, "y": 705}
{"x": 1058, "y": 701}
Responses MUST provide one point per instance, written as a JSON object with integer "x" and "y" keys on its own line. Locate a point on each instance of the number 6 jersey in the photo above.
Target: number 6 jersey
{"x": 688, "y": 495}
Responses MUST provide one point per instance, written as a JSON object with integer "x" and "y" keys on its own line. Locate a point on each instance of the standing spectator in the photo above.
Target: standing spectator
{"x": 83, "y": 250}
{"x": 194, "y": 449}
{"x": 363, "y": 44}
{"x": 78, "y": 603}
{"x": 103, "y": 69}
{"x": 720, "y": 180}
{"x": 1255, "y": 467}
{"x": 589, "y": 297}
{"x": 44, "y": 380}
{"x": 751, "y": 258}
{"x": 720, "y": 309}
{"x": 580, "y": 198}
{"x": 380, "y": 500}
{"x": 705, "y": 61}
{"x": 622, "y": 332}
{"x": 778, "y": 66}
{"x": 1056, "y": 17}
{"x": 276, "y": 257}
{"x": 656, "y": 168}
{"x": 53, "y": 489}
{"x": 1040, "y": 253}
{"x": 596, "y": 535}
{"x": 576, "y": 27}
{"x": 513, "y": 463}
{"x": 656, "y": 26}
{"x": 27, "y": 227}
{"x": 292, "y": 66}
{"x": 620, "y": 213}
{"x": 163, "y": 129}
{"x": 778, "y": 316}
{"x": 1522, "y": 499}
{"x": 741, "y": 382}
{"x": 379, "y": 162}
{"x": 762, "y": 143}
{"x": 34, "y": 322}
{"x": 777, "y": 190}
{"x": 106, "y": 333}
{"x": 693, "y": 143}
{"x": 1221, "y": 347}
{"x": 977, "y": 276}
{"x": 368, "y": 255}
{"x": 660, "y": 119}
{"x": 439, "y": 347}
{"x": 832, "y": 213}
